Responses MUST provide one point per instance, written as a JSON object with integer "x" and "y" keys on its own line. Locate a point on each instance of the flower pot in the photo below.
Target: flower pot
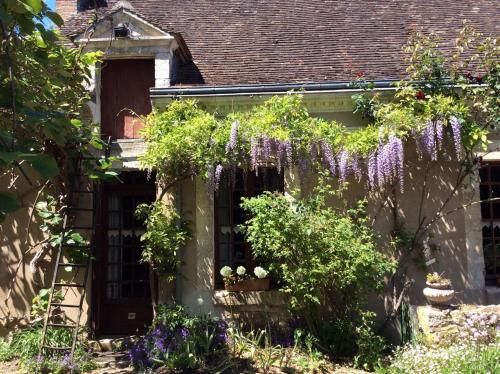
{"x": 253, "y": 284}
{"x": 437, "y": 296}
{"x": 446, "y": 285}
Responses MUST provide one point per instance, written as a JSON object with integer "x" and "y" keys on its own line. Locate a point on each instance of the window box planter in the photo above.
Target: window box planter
{"x": 253, "y": 284}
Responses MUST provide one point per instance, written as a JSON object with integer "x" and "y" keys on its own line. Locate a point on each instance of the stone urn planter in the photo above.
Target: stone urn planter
{"x": 252, "y": 284}
{"x": 439, "y": 293}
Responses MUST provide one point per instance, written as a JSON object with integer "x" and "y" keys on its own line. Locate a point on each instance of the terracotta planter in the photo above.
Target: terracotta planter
{"x": 253, "y": 284}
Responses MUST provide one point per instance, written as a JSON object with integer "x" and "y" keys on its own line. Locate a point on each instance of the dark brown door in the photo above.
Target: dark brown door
{"x": 122, "y": 293}
{"x": 125, "y": 88}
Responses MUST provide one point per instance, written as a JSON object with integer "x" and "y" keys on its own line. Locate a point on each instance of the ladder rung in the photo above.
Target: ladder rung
{"x": 76, "y": 245}
{"x": 72, "y": 265}
{"x": 61, "y": 305}
{"x": 80, "y": 209}
{"x": 69, "y": 285}
{"x": 61, "y": 325}
{"x": 57, "y": 348}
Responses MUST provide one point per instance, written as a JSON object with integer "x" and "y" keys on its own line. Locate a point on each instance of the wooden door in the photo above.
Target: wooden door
{"x": 125, "y": 88}
{"x": 122, "y": 296}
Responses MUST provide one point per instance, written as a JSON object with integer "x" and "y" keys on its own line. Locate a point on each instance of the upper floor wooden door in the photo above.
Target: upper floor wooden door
{"x": 125, "y": 88}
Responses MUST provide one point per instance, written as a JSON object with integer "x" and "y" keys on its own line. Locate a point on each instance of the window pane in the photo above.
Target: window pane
{"x": 495, "y": 173}
{"x": 496, "y": 209}
{"x": 485, "y": 210}
{"x": 484, "y": 192}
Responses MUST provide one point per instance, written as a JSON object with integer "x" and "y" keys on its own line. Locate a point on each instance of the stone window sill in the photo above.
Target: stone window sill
{"x": 257, "y": 298}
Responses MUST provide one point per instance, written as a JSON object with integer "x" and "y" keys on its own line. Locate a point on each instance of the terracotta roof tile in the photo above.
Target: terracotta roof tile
{"x": 289, "y": 41}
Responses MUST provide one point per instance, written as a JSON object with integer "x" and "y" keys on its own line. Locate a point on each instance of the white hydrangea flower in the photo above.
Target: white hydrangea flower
{"x": 226, "y": 271}
{"x": 260, "y": 272}
{"x": 240, "y": 270}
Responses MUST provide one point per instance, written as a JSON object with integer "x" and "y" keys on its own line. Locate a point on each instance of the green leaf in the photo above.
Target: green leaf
{"x": 44, "y": 164}
{"x": 55, "y": 17}
{"x": 35, "y": 5}
{"x": 8, "y": 157}
{"x": 8, "y": 203}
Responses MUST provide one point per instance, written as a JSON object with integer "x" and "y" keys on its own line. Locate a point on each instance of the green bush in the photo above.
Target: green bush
{"x": 325, "y": 258}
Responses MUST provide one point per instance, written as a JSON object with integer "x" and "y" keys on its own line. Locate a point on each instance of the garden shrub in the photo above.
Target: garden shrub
{"x": 179, "y": 341}
{"x": 325, "y": 258}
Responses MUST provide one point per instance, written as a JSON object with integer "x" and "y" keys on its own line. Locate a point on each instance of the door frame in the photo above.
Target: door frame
{"x": 98, "y": 289}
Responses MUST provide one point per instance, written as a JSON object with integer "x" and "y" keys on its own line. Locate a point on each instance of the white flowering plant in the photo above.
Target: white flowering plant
{"x": 231, "y": 277}
{"x": 457, "y": 358}
{"x": 260, "y": 272}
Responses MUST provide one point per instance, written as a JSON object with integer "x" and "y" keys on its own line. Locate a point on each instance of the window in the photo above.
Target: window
{"x": 490, "y": 214}
{"x": 83, "y": 5}
{"x": 230, "y": 246}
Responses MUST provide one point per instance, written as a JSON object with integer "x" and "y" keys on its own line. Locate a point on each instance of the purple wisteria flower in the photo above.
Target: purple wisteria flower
{"x": 389, "y": 165}
{"x": 266, "y": 148}
{"x": 328, "y": 158}
{"x": 439, "y": 134}
{"x": 233, "y": 137}
{"x": 217, "y": 176}
{"x": 429, "y": 141}
{"x": 254, "y": 152}
{"x": 343, "y": 165}
{"x": 356, "y": 167}
{"x": 457, "y": 136}
{"x": 289, "y": 152}
{"x": 372, "y": 169}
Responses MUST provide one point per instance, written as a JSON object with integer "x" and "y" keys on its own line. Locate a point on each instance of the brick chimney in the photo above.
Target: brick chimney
{"x": 66, "y": 8}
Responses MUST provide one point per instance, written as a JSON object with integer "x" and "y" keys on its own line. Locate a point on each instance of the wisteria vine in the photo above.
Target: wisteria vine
{"x": 280, "y": 133}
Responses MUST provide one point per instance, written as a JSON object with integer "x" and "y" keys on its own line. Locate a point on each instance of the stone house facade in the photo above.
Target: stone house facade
{"x": 231, "y": 56}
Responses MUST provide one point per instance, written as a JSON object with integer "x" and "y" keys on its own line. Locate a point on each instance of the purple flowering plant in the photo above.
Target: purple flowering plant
{"x": 179, "y": 341}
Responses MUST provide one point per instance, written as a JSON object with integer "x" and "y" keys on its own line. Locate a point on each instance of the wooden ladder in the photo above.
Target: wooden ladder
{"x": 52, "y": 320}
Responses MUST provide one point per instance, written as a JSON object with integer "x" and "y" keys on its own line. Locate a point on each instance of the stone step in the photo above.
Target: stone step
{"x": 113, "y": 360}
{"x": 110, "y": 344}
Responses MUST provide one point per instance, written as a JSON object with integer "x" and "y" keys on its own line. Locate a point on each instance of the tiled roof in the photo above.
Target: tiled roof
{"x": 287, "y": 41}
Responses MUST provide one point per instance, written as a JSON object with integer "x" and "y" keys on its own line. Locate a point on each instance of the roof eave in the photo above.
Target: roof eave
{"x": 267, "y": 89}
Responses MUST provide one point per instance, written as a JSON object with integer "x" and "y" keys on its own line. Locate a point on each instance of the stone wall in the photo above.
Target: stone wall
{"x": 443, "y": 326}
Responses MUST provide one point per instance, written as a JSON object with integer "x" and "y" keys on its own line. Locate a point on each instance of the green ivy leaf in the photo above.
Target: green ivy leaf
{"x": 44, "y": 164}
{"x": 8, "y": 204}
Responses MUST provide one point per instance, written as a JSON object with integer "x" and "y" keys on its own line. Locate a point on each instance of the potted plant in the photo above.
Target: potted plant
{"x": 241, "y": 281}
{"x": 438, "y": 290}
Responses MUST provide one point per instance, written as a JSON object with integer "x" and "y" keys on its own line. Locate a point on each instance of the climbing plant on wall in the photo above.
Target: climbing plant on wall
{"x": 443, "y": 111}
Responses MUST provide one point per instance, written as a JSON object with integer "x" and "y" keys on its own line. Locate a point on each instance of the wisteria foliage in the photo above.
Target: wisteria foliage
{"x": 186, "y": 140}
